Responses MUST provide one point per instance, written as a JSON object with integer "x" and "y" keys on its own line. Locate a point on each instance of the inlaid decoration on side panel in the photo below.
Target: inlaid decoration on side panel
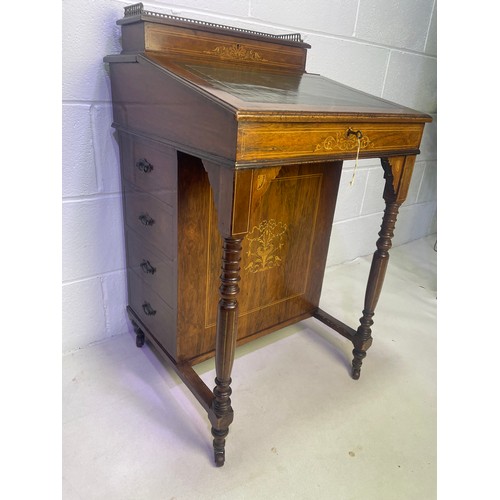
{"x": 265, "y": 243}
{"x": 276, "y": 254}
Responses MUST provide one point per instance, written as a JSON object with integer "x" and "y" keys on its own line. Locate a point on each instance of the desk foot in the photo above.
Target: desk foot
{"x": 139, "y": 338}
{"x": 362, "y": 341}
{"x": 219, "y": 446}
{"x": 220, "y": 415}
{"x": 356, "y": 363}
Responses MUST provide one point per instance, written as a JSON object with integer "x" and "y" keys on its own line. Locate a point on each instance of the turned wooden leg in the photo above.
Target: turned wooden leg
{"x": 363, "y": 338}
{"x": 394, "y": 194}
{"x": 221, "y": 412}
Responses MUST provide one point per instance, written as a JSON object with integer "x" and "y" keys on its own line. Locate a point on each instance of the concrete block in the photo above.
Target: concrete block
{"x": 78, "y": 174}
{"x": 350, "y": 197}
{"x": 411, "y": 81}
{"x": 353, "y": 238}
{"x": 373, "y": 202}
{"x": 335, "y": 16}
{"x": 246, "y": 23}
{"x": 114, "y": 286}
{"x": 428, "y": 146}
{"x": 354, "y": 64}
{"x": 428, "y": 187}
{"x": 397, "y": 23}
{"x": 357, "y": 237}
{"x": 89, "y": 32}
{"x": 431, "y": 42}
{"x": 92, "y": 237}
{"x": 233, "y": 8}
{"x": 107, "y": 155}
{"x": 83, "y": 320}
{"x": 414, "y": 222}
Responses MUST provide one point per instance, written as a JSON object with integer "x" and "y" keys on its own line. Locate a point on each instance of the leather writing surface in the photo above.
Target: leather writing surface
{"x": 296, "y": 89}
{"x": 261, "y": 86}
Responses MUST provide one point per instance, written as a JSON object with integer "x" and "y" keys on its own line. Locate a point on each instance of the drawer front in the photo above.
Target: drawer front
{"x": 287, "y": 140}
{"x": 151, "y": 219}
{"x": 155, "y": 268}
{"x": 151, "y": 167}
{"x": 155, "y": 313}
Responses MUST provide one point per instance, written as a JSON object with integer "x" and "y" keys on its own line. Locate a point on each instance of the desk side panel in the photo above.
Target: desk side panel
{"x": 150, "y": 101}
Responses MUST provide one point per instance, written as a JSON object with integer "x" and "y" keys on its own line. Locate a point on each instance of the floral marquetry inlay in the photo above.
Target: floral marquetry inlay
{"x": 265, "y": 243}
{"x": 235, "y": 52}
{"x": 342, "y": 142}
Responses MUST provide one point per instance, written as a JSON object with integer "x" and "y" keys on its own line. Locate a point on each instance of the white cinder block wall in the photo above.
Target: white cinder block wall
{"x": 384, "y": 47}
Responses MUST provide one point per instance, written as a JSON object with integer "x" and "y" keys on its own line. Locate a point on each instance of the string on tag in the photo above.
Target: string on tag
{"x": 358, "y": 136}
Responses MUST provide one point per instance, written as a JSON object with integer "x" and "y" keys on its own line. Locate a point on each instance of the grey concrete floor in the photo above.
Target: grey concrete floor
{"x": 303, "y": 429}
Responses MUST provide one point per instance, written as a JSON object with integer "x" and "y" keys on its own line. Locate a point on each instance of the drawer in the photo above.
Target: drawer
{"x": 304, "y": 140}
{"x": 151, "y": 167}
{"x": 156, "y": 315}
{"x": 151, "y": 219}
{"x": 155, "y": 268}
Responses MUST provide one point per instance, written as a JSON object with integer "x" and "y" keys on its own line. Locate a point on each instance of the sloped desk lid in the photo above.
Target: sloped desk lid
{"x": 269, "y": 92}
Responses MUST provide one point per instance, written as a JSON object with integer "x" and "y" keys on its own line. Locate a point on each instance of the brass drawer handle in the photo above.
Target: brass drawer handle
{"x": 147, "y": 267}
{"x": 143, "y": 165}
{"x": 148, "y": 310}
{"x": 146, "y": 220}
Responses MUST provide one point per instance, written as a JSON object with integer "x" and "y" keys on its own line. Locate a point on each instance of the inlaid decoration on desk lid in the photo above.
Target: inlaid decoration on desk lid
{"x": 265, "y": 244}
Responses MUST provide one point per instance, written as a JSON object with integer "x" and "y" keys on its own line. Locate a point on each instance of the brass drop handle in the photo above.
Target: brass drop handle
{"x": 148, "y": 310}
{"x": 143, "y": 165}
{"x": 146, "y": 220}
{"x": 357, "y": 133}
{"x": 147, "y": 267}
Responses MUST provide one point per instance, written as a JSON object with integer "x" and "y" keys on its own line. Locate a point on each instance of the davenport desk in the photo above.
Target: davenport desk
{"x": 231, "y": 155}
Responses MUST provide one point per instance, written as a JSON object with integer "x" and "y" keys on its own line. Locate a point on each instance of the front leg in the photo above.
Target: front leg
{"x": 221, "y": 412}
{"x": 363, "y": 338}
{"x": 397, "y": 174}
